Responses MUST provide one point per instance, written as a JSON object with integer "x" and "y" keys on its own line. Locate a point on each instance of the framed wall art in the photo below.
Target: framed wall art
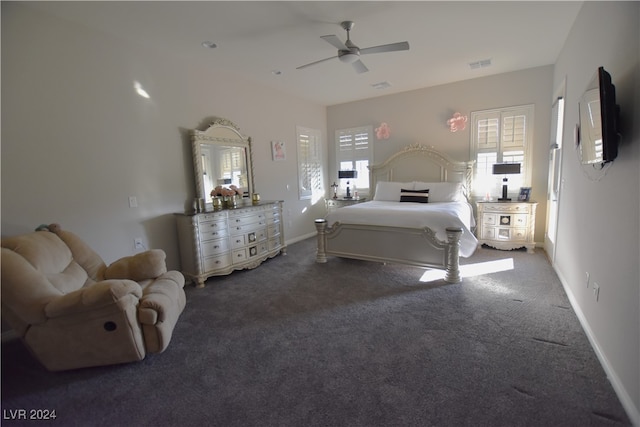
{"x": 278, "y": 151}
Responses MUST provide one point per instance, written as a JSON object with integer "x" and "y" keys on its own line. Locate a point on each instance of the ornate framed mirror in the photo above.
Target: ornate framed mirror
{"x": 221, "y": 156}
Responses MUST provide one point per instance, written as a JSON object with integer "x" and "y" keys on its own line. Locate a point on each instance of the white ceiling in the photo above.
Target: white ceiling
{"x": 255, "y": 39}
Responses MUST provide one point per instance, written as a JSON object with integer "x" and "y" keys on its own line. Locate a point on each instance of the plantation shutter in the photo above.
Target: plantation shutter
{"x": 501, "y": 136}
{"x": 310, "y": 182}
{"x": 353, "y": 152}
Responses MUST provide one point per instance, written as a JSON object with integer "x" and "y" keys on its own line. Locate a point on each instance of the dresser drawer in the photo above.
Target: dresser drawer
{"x": 238, "y": 241}
{"x": 263, "y": 247}
{"x": 274, "y": 244}
{"x": 508, "y": 207}
{"x": 239, "y": 255}
{"x": 246, "y": 219}
{"x": 215, "y": 263}
{"x": 519, "y": 234}
{"x": 247, "y": 228}
{"x": 212, "y": 230}
{"x": 212, "y": 216}
{"x": 213, "y": 247}
{"x": 510, "y": 234}
{"x": 488, "y": 233}
{"x": 273, "y": 230}
{"x": 490, "y": 219}
{"x": 520, "y": 220}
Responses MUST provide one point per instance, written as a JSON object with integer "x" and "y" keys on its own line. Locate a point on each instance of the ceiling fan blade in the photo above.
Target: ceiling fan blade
{"x": 385, "y": 48}
{"x": 359, "y": 67}
{"x": 314, "y": 63}
{"x": 334, "y": 41}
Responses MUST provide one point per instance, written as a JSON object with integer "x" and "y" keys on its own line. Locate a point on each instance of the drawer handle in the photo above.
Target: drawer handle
{"x": 216, "y": 246}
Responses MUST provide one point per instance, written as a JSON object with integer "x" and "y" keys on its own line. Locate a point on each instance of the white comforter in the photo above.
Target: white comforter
{"x": 436, "y": 216}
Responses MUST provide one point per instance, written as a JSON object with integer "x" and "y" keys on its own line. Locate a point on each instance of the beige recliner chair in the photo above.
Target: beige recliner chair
{"x": 74, "y": 311}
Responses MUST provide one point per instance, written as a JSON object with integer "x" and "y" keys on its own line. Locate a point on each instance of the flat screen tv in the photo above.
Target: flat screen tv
{"x": 599, "y": 120}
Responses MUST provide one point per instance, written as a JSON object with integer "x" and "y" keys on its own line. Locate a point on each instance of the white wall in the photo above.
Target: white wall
{"x": 77, "y": 140}
{"x": 599, "y": 220}
{"x": 420, "y": 117}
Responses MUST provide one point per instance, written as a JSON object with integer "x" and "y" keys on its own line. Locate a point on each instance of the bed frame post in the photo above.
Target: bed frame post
{"x": 452, "y": 255}
{"x": 321, "y": 226}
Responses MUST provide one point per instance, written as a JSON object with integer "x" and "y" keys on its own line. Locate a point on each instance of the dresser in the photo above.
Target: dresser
{"x": 507, "y": 225}
{"x": 219, "y": 242}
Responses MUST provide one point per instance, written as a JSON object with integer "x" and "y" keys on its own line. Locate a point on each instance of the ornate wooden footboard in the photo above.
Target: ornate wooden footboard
{"x": 409, "y": 246}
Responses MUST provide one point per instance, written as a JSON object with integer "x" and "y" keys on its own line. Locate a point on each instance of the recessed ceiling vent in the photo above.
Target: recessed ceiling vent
{"x": 381, "y": 85}
{"x": 483, "y": 63}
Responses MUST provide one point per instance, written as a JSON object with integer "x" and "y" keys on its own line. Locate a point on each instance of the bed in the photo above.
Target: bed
{"x": 385, "y": 229}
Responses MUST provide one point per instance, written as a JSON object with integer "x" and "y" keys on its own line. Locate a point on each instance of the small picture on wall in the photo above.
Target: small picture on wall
{"x": 278, "y": 150}
{"x": 525, "y": 193}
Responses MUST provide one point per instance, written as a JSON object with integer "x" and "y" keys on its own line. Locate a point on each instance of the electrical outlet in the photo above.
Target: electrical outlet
{"x": 133, "y": 202}
{"x": 596, "y": 291}
{"x": 137, "y": 243}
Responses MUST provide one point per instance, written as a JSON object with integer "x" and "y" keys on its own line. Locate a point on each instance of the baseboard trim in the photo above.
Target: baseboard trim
{"x": 627, "y": 402}
{"x": 300, "y": 238}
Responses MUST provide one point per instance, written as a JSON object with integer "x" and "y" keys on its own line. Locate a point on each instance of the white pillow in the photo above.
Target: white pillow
{"x": 441, "y": 191}
{"x": 390, "y": 191}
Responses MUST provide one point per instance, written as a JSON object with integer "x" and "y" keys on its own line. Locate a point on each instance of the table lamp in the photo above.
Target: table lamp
{"x": 505, "y": 169}
{"x": 348, "y": 175}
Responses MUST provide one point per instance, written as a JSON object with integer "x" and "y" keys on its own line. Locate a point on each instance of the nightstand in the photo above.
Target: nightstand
{"x": 507, "y": 225}
{"x": 333, "y": 204}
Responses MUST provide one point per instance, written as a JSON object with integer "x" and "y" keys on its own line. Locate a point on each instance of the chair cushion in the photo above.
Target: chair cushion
{"x": 50, "y": 256}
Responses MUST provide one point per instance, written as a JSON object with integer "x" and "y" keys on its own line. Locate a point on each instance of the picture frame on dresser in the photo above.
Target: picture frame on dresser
{"x": 525, "y": 194}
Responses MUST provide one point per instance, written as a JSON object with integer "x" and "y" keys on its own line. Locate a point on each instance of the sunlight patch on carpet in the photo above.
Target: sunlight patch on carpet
{"x": 470, "y": 270}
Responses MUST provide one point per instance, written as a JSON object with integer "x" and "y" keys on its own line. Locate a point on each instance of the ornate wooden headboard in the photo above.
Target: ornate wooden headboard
{"x": 420, "y": 163}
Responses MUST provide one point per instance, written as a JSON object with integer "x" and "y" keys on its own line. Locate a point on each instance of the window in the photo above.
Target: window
{"x": 501, "y": 136}
{"x": 232, "y": 165}
{"x": 353, "y": 152}
{"x": 310, "y": 182}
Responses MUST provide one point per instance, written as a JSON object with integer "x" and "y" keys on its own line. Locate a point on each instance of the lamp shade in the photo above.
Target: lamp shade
{"x": 506, "y": 168}
{"x": 347, "y": 174}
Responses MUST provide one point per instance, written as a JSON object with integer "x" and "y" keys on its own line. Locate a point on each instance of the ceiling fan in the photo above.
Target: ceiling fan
{"x": 349, "y": 53}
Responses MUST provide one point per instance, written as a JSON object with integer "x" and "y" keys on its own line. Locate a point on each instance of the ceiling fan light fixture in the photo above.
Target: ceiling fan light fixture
{"x": 349, "y": 57}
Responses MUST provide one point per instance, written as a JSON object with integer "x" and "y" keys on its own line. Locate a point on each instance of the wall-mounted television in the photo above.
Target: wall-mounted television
{"x": 599, "y": 120}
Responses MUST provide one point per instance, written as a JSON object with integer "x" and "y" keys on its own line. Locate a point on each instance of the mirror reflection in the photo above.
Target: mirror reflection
{"x": 223, "y": 166}
{"x": 221, "y": 157}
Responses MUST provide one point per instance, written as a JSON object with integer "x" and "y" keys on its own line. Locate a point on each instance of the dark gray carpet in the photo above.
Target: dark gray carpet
{"x": 348, "y": 343}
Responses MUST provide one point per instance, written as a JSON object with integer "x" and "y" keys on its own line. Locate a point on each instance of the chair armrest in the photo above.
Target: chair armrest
{"x": 101, "y": 294}
{"x": 161, "y": 297}
{"x": 145, "y": 265}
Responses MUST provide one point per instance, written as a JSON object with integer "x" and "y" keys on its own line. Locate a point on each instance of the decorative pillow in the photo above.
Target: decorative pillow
{"x": 442, "y": 191}
{"x": 415, "y": 196}
{"x": 390, "y": 191}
